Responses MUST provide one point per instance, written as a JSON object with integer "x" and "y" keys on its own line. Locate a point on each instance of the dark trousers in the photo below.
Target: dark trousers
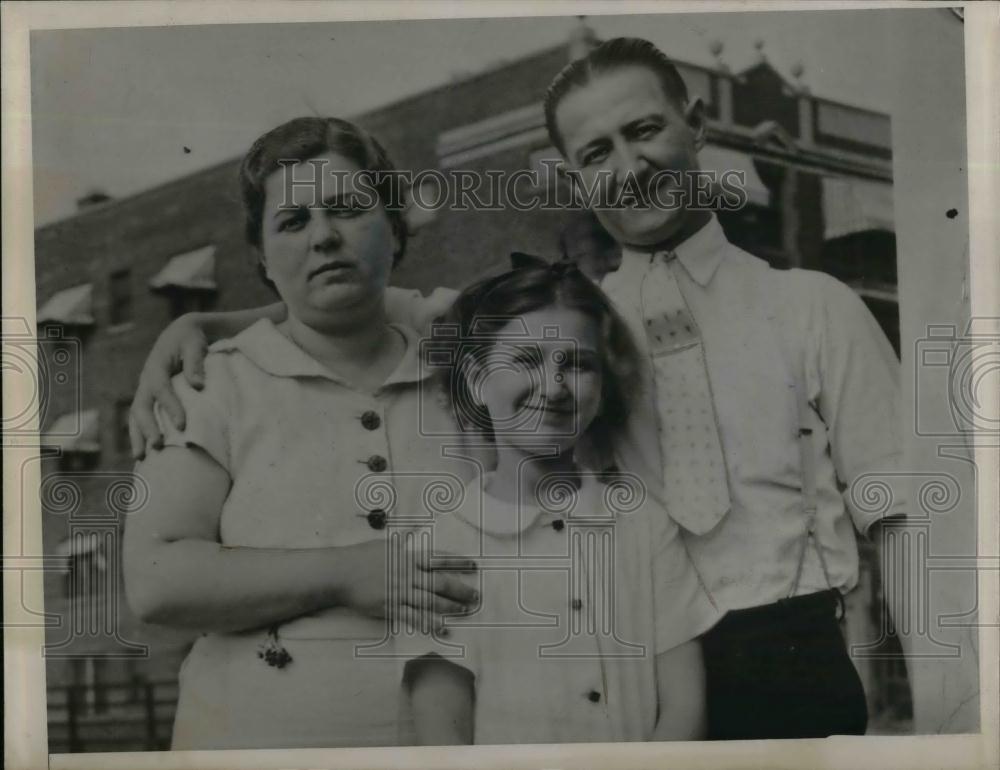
{"x": 782, "y": 671}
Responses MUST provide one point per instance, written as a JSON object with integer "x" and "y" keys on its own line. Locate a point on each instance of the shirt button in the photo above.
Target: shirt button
{"x": 370, "y": 420}
{"x": 558, "y": 524}
{"x": 594, "y": 696}
{"x": 377, "y": 463}
{"x": 376, "y": 518}
{"x": 576, "y": 604}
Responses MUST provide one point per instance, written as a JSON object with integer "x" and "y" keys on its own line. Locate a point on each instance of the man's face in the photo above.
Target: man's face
{"x": 622, "y": 124}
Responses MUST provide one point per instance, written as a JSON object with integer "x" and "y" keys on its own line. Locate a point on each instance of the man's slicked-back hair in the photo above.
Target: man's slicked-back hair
{"x": 611, "y": 55}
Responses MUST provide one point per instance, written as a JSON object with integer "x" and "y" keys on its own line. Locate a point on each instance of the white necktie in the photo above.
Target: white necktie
{"x": 694, "y": 469}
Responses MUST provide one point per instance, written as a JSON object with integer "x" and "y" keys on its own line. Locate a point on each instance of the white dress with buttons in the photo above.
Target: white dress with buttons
{"x": 314, "y": 463}
{"x": 576, "y": 601}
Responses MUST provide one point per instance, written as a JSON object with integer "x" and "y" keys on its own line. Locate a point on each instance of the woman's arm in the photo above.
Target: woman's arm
{"x": 443, "y": 697}
{"x": 181, "y": 347}
{"x": 219, "y": 325}
{"x": 680, "y": 689}
{"x": 177, "y": 572}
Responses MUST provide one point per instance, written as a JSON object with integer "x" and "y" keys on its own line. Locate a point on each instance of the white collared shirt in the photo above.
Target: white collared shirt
{"x": 757, "y": 324}
{"x": 576, "y": 601}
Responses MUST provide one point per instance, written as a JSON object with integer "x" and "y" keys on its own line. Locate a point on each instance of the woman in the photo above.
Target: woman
{"x": 267, "y": 515}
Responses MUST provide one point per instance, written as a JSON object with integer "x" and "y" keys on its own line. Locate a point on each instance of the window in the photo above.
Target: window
{"x": 188, "y": 281}
{"x": 122, "y": 442}
{"x": 78, "y": 462}
{"x": 190, "y": 301}
{"x": 121, "y": 297}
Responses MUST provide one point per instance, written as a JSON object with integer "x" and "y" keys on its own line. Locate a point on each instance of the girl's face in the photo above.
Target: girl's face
{"x": 541, "y": 380}
{"x": 327, "y": 249}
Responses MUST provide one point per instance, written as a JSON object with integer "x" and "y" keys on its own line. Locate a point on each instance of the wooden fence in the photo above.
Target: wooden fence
{"x": 136, "y": 716}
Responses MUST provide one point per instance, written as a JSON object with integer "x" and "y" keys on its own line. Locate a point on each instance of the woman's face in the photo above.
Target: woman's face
{"x": 541, "y": 380}
{"x": 327, "y": 243}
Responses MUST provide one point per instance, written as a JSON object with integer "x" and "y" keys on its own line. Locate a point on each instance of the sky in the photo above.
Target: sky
{"x": 113, "y": 109}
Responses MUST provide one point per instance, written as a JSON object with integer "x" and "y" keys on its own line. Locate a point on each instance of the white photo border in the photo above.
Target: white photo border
{"x": 25, "y": 714}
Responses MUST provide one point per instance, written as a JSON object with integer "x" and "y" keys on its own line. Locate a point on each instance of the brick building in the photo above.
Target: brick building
{"x": 110, "y": 278}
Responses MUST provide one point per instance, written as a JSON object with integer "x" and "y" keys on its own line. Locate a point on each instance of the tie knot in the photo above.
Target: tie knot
{"x": 664, "y": 255}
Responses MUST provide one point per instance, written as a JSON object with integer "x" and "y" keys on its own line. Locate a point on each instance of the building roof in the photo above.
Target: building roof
{"x": 75, "y": 432}
{"x": 70, "y": 307}
{"x": 191, "y": 270}
{"x": 384, "y": 119}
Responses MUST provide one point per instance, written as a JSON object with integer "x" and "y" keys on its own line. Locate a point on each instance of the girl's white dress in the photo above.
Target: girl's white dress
{"x": 576, "y": 601}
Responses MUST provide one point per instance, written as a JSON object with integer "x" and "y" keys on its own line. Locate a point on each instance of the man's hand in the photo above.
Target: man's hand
{"x": 180, "y": 347}
{"x": 398, "y": 581}
{"x": 893, "y": 553}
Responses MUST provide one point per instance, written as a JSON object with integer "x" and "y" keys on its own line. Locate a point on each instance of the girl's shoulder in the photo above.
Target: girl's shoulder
{"x": 616, "y": 493}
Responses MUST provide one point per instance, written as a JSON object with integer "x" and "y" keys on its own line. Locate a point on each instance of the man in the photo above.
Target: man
{"x": 767, "y": 394}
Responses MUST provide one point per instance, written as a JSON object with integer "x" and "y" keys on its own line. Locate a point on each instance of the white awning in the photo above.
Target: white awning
{"x": 722, "y": 159}
{"x": 80, "y": 544}
{"x": 856, "y": 205}
{"x": 75, "y": 432}
{"x": 191, "y": 270}
{"x": 69, "y": 307}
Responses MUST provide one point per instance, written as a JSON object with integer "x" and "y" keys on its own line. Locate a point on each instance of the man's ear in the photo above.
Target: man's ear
{"x": 694, "y": 116}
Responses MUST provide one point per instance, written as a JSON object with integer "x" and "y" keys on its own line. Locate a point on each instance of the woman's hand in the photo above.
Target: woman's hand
{"x": 392, "y": 579}
{"x": 179, "y": 574}
{"x": 181, "y": 347}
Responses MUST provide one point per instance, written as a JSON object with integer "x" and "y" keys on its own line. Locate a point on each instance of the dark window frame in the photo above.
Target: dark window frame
{"x": 120, "y": 297}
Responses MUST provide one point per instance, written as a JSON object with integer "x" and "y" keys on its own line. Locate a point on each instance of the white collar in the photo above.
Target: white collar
{"x": 501, "y": 518}
{"x": 270, "y": 350}
{"x": 700, "y": 255}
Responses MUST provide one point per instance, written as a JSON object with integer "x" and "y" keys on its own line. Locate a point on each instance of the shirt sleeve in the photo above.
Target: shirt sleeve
{"x": 207, "y": 414}
{"x": 410, "y": 307}
{"x": 682, "y": 608}
{"x": 859, "y": 399}
{"x": 461, "y": 644}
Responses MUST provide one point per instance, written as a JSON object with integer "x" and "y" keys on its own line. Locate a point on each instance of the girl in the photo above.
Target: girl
{"x": 589, "y": 607}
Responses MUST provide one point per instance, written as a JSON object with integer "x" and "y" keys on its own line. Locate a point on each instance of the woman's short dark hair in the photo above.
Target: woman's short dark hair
{"x": 611, "y": 55}
{"x": 304, "y": 138}
{"x": 474, "y": 321}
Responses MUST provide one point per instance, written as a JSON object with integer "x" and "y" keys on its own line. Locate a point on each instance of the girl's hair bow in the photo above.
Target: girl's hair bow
{"x": 519, "y": 260}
